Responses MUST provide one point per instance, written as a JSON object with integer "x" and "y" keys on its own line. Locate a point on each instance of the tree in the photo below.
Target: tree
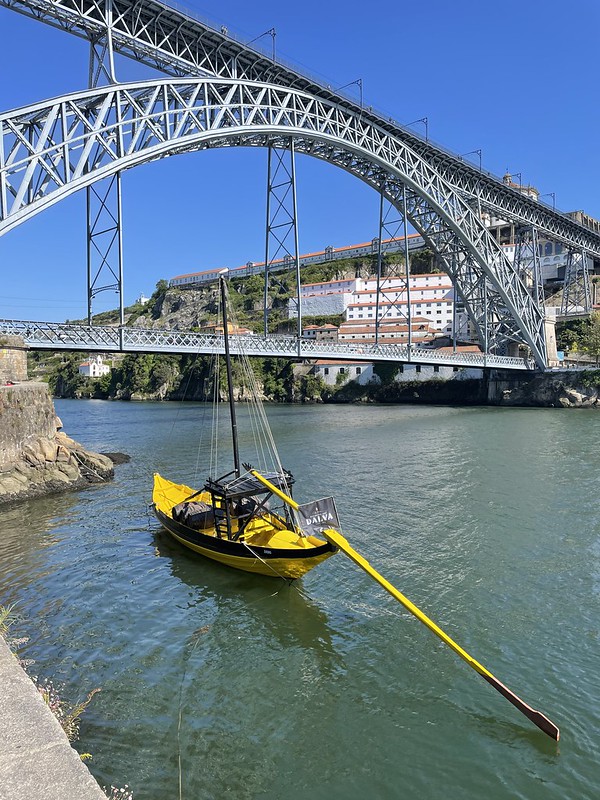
{"x": 570, "y": 334}
{"x": 591, "y": 338}
{"x": 65, "y": 380}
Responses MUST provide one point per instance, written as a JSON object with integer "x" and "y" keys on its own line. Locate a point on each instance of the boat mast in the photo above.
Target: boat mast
{"x": 234, "y": 436}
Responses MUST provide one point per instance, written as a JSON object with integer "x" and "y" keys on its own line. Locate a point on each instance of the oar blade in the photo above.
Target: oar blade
{"x": 542, "y": 722}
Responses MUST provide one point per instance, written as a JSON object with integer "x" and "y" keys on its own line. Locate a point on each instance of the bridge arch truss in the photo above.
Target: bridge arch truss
{"x": 55, "y": 148}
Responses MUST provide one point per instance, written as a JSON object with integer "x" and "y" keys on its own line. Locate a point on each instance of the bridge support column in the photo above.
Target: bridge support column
{"x": 282, "y": 224}
{"x": 551, "y": 348}
{"x": 577, "y": 296}
{"x": 103, "y": 199}
{"x": 393, "y": 232}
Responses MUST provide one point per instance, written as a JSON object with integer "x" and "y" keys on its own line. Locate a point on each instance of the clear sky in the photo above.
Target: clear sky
{"x": 518, "y": 79}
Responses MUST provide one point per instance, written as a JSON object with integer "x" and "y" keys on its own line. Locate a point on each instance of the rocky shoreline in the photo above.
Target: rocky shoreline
{"x": 50, "y": 466}
{"x": 38, "y": 457}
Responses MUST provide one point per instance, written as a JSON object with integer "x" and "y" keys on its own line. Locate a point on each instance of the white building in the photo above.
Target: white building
{"x": 430, "y": 297}
{"x": 94, "y": 368}
{"x": 363, "y": 372}
{"x": 320, "y": 333}
{"x": 330, "y": 371}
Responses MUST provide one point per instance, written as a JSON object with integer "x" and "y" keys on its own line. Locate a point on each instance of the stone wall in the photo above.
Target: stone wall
{"x": 26, "y": 412}
{"x": 13, "y": 359}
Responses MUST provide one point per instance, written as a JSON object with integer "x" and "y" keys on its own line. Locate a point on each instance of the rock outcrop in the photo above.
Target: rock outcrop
{"x": 577, "y": 389}
{"x": 36, "y": 456}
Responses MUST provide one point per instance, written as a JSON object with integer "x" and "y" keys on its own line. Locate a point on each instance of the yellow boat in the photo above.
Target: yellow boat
{"x": 233, "y": 520}
{"x": 236, "y": 527}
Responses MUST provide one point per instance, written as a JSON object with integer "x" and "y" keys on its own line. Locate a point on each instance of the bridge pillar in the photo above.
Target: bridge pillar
{"x": 500, "y": 384}
{"x": 551, "y": 348}
{"x": 577, "y": 295}
{"x": 103, "y": 199}
{"x": 13, "y": 359}
{"x": 282, "y": 223}
{"x": 393, "y": 229}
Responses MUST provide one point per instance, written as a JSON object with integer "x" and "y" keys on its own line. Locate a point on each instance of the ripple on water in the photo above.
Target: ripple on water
{"x": 329, "y": 688}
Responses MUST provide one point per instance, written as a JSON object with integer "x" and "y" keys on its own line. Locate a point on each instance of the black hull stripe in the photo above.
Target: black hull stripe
{"x": 227, "y": 547}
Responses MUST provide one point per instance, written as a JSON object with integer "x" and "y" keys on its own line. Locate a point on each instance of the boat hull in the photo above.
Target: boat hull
{"x": 288, "y": 563}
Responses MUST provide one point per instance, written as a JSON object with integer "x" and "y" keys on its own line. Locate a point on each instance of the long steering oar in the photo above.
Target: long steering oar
{"x": 336, "y": 539}
{"x": 536, "y": 717}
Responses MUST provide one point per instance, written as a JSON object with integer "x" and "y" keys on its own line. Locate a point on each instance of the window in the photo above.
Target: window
{"x": 358, "y": 370}
{"x": 326, "y": 371}
{"x": 436, "y": 368}
{"x": 418, "y": 368}
{"x": 342, "y": 370}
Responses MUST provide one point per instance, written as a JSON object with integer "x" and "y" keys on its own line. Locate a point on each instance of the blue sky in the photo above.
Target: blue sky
{"x": 517, "y": 79}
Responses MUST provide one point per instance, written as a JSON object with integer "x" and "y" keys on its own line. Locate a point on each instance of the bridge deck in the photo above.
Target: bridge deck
{"x": 113, "y": 339}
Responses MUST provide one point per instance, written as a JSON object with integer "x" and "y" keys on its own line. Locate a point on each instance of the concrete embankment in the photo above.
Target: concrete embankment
{"x": 36, "y": 760}
{"x": 36, "y": 457}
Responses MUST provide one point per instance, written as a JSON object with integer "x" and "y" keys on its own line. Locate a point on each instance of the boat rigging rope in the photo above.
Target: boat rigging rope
{"x": 289, "y": 581}
{"x": 263, "y": 436}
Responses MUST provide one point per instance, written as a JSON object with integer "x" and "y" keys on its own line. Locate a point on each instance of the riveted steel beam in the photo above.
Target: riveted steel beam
{"x": 177, "y": 43}
{"x": 51, "y": 150}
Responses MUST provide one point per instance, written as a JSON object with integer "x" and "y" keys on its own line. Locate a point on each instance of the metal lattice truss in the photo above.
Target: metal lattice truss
{"x": 109, "y": 339}
{"x": 577, "y": 293}
{"x": 176, "y": 43}
{"x": 282, "y": 224}
{"x": 527, "y": 262}
{"x": 393, "y": 227}
{"x": 52, "y": 149}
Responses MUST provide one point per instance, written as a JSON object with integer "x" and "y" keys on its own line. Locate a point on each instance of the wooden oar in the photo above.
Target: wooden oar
{"x": 536, "y": 717}
{"x": 335, "y": 538}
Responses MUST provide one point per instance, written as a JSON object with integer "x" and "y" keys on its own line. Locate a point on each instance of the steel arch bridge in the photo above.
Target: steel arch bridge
{"x": 53, "y": 149}
{"x": 240, "y": 97}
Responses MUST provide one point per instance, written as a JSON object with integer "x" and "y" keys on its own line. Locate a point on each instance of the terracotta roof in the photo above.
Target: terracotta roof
{"x": 327, "y": 362}
{"x": 460, "y": 348}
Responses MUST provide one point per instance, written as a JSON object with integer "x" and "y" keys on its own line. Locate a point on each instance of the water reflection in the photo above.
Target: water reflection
{"x": 268, "y": 608}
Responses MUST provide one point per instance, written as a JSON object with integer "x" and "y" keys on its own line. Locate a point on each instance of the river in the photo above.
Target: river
{"x": 244, "y": 687}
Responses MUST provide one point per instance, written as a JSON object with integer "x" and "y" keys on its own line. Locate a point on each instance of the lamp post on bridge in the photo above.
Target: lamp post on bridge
{"x": 271, "y": 32}
{"x": 509, "y": 181}
{"x": 358, "y": 82}
{"x": 553, "y": 196}
{"x": 473, "y": 152}
{"x": 424, "y": 121}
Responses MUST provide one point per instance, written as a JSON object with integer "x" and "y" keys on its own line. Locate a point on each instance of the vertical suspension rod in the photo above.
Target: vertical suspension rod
{"x": 268, "y": 233}
{"x": 407, "y": 267}
{"x": 379, "y": 265}
{"x": 296, "y": 251}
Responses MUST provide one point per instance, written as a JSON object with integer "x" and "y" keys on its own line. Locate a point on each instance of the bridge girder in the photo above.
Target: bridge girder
{"x": 176, "y": 43}
{"x": 51, "y": 150}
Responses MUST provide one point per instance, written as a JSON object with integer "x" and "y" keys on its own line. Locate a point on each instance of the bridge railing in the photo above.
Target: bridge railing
{"x": 110, "y": 338}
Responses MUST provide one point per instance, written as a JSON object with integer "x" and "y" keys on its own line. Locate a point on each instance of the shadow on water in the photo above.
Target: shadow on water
{"x": 275, "y": 607}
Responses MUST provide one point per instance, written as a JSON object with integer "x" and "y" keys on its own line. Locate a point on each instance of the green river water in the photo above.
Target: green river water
{"x": 245, "y": 687}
